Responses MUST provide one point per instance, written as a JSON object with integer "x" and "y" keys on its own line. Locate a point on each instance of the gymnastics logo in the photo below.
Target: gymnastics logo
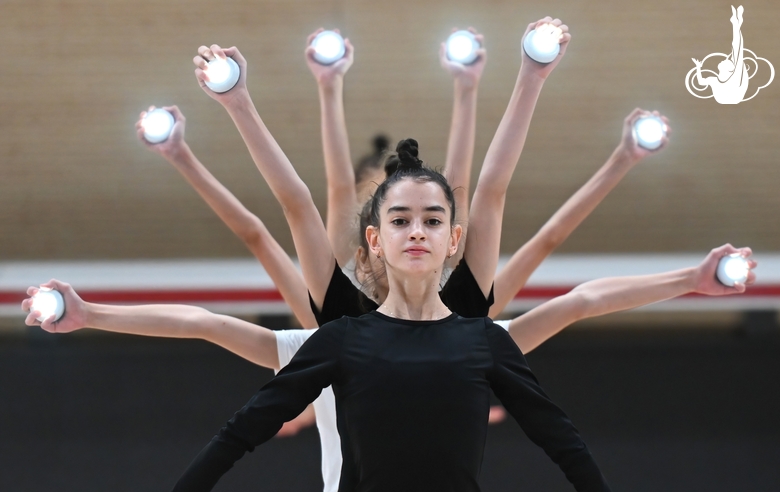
{"x": 735, "y": 70}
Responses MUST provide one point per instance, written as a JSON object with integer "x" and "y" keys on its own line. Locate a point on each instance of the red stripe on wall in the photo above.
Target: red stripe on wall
{"x": 268, "y": 295}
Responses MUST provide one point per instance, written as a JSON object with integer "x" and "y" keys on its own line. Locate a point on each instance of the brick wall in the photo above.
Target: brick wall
{"x": 74, "y": 183}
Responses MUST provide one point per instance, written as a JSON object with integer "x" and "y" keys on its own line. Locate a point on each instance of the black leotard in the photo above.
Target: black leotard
{"x": 414, "y": 397}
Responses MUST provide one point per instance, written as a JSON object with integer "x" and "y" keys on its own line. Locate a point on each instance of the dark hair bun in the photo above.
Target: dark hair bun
{"x": 407, "y": 151}
{"x": 381, "y": 143}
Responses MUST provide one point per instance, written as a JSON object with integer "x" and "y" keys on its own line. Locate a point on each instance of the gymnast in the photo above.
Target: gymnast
{"x": 254, "y": 234}
{"x": 253, "y": 342}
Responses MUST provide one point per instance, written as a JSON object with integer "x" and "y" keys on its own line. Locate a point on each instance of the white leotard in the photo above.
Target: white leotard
{"x": 287, "y": 344}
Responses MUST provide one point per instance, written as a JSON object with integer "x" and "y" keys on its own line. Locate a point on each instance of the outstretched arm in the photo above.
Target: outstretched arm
{"x": 484, "y": 236}
{"x": 460, "y": 145}
{"x": 252, "y": 342}
{"x": 308, "y": 232}
{"x": 340, "y": 174}
{"x": 608, "y": 295}
{"x": 244, "y": 224}
{"x": 555, "y": 231}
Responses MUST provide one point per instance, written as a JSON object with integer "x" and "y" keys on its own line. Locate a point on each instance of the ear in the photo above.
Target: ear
{"x": 455, "y": 235}
{"x": 372, "y": 238}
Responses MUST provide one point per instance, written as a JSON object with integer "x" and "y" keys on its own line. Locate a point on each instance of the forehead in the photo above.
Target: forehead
{"x": 414, "y": 194}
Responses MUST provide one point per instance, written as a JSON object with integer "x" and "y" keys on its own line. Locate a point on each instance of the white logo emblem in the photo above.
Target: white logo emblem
{"x": 730, "y": 84}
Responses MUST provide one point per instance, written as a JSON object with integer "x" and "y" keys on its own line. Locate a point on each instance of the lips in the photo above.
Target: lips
{"x": 416, "y": 251}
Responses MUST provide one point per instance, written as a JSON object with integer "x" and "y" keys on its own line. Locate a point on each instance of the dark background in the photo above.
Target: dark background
{"x": 661, "y": 409}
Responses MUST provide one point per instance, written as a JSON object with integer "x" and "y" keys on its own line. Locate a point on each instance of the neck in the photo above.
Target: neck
{"x": 414, "y": 298}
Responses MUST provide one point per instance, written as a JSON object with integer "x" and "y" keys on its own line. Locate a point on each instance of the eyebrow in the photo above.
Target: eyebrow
{"x": 399, "y": 208}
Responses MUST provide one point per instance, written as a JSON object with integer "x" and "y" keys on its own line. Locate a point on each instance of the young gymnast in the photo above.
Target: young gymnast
{"x": 234, "y": 202}
{"x": 411, "y": 379}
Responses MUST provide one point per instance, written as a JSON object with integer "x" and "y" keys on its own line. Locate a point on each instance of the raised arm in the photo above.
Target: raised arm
{"x": 244, "y": 224}
{"x": 609, "y": 295}
{"x": 484, "y": 237}
{"x": 308, "y": 232}
{"x": 557, "y": 229}
{"x": 252, "y": 342}
{"x": 339, "y": 172}
{"x": 460, "y": 145}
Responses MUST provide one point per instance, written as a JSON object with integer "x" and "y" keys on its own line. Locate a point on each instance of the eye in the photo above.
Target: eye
{"x": 434, "y": 222}
{"x": 399, "y": 221}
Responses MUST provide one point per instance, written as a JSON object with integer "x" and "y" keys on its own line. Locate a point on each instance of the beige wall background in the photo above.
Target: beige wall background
{"x": 75, "y": 184}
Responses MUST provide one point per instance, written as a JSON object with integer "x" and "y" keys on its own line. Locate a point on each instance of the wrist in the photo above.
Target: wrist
{"x": 237, "y": 101}
{"x": 690, "y": 279}
{"x": 178, "y": 153}
{"x": 331, "y": 85}
{"x": 623, "y": 156}
{"x": 90, "y": 315}
{"x": 465, "y": 86}
{"x": 532, "y": 78}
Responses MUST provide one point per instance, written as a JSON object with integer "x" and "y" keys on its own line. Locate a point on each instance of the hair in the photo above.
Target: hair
{"x": 372, "y": 161}
{"x": 405, "y": 164}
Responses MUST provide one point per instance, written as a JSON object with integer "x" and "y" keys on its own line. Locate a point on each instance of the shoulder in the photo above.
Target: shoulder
{"x": 498, "y": 335}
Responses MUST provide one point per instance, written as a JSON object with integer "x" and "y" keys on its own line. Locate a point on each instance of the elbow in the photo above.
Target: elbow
{"x": 198, "y": 322}
{"x": 581, "y": 304}
{"x": 296, "y": 201}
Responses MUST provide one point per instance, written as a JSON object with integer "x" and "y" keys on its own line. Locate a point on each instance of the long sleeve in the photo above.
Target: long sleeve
{"x": 313, "y": 368}
{"x": 543, "y": 422}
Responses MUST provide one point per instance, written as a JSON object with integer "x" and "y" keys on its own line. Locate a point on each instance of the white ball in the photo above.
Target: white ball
{"x": 732, "y": 269}
{"x": 222, "y": 75}
{"x": 543, "y": 44}
{"x": 649, "y": 131}
{"x": 48, "y": 302}
{"x": 157, "y": 125}
{"x": 462, "y": 47}
{"x": 328, "y": 47}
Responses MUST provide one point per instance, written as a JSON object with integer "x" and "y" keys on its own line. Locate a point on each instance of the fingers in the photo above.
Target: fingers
{"x": 313, "y": 35}
{"x": 32, "y": 319}
{"x": 633, "y": 116}
{"x": 176, "y": 112}
{"x": 481, "y": 55}
{"x": 200, "y": 74}
{"x": 200, "y": 62}
{"x": 349, "y": 50}
{"x": 48, "y": 324}
{"x": 217, "y": 51}
{"x": 55, "y": 284}
{"x": 541, "y": 22}
{"x": 237, "y": 57}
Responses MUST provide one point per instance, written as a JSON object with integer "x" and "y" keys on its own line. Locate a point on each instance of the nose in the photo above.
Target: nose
{"x": 417, "y": 231}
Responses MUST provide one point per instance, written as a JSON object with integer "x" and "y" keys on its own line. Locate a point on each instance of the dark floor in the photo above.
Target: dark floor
{"x": 662, "y": 410}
